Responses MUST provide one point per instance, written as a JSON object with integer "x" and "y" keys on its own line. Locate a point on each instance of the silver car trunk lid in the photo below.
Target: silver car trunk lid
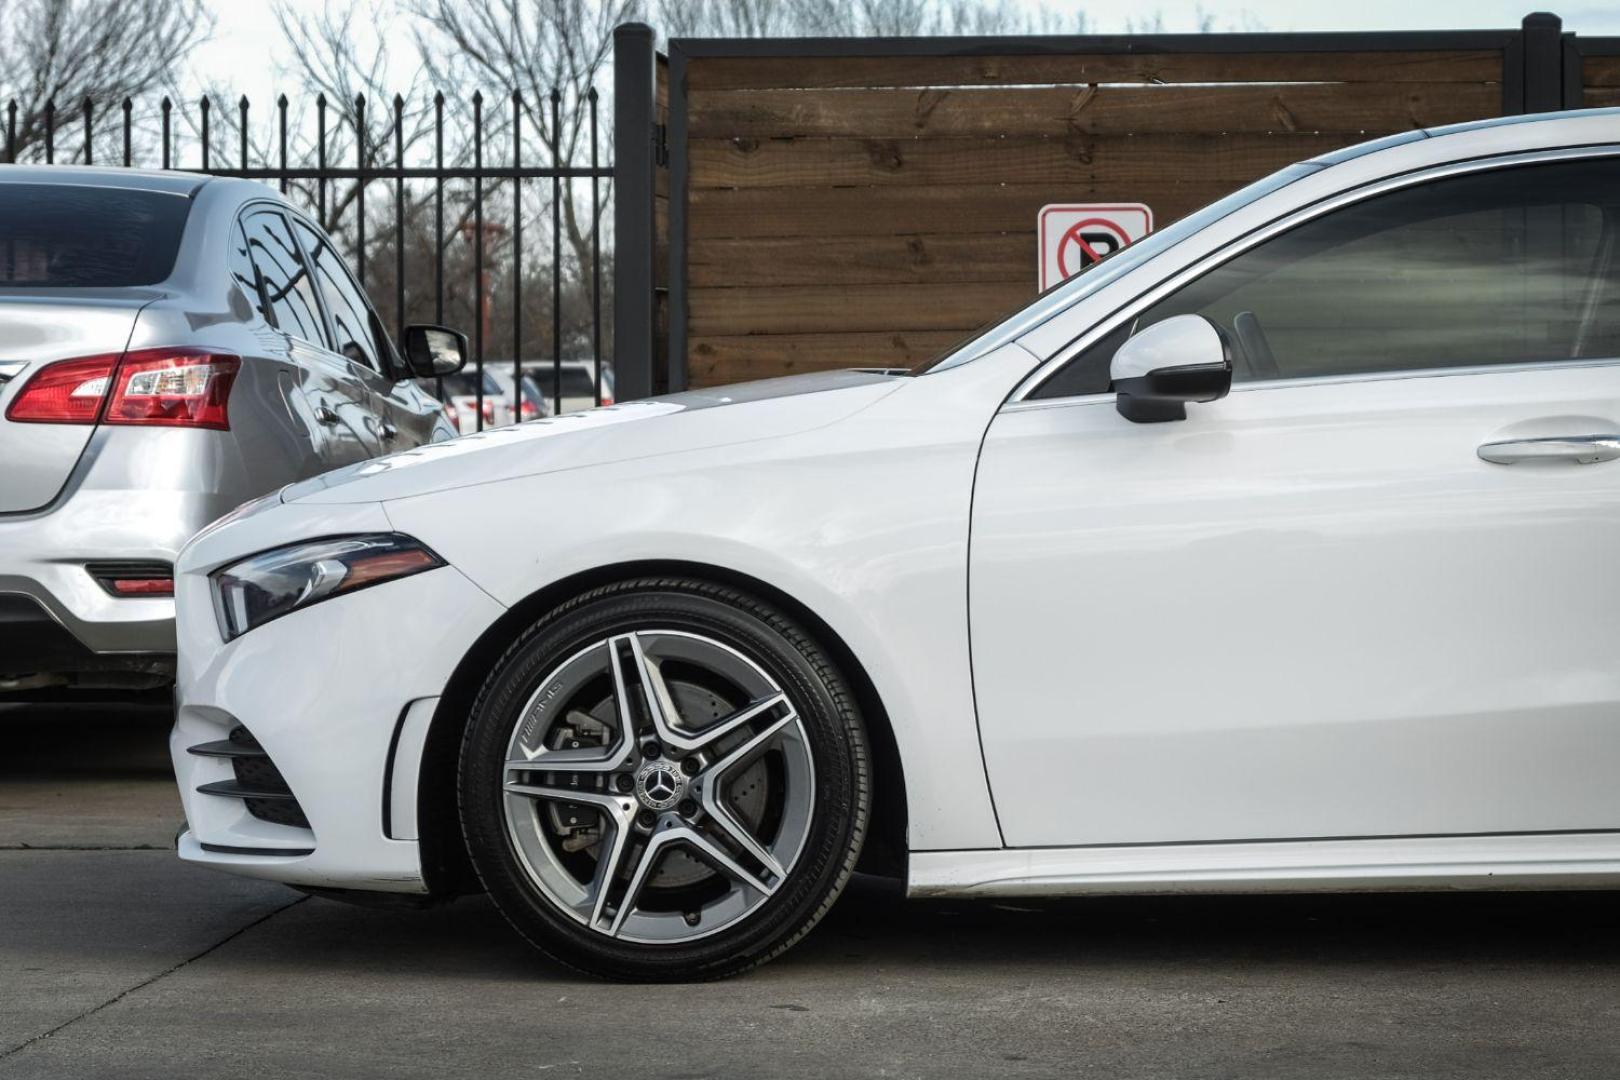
{"x": 36, "y": 328}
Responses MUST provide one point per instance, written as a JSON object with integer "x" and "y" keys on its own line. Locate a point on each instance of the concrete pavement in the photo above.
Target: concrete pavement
{"x": 123, "y": 963}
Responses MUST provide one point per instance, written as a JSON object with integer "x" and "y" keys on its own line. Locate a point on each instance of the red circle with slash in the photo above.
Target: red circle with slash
{"x": 1088, "y": 254}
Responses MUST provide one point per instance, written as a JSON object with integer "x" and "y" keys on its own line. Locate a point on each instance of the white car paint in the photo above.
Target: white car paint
{"x": 1116, "y": 576}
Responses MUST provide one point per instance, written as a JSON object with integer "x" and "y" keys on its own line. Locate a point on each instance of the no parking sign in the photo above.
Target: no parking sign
{"x": 1075, "y": 235}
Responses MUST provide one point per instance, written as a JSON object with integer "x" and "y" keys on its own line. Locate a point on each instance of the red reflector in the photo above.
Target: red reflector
{"x": 173, "y": 388}
{"x": 66, "y": 392}
{"x": 143, "y": 586}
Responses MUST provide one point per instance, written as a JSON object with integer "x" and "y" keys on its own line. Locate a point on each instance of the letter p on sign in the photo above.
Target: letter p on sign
{"x": 1075, "y": 235}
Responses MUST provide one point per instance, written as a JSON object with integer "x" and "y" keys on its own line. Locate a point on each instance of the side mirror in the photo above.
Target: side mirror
{"x": 1156, "y": 372}
{"x": 433, "y": 352}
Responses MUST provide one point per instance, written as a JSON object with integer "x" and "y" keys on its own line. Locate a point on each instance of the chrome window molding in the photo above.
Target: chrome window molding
{"x": 1298, "y": 216}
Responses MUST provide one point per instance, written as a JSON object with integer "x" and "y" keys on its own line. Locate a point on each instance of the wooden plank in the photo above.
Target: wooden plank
{"x": 1600, "y": 71}
{"x": 899, "y": 211}
{"x": 865, "y": 260}
{"x": 1226, "y": 160}
{"x": 660, "y": 241}
{"x": 1602, "y": 97}
{"x": 840, "y": 308}
{"x": 717, "y": 360}
{"x": 740, "y": 73}
{"x": 1356, "y": 109}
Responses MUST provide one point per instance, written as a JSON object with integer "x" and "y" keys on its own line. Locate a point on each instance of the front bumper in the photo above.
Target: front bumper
{"x": 339, "y": 696}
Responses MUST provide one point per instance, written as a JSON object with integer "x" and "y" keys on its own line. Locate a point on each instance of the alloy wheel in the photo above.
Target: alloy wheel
{"x": 658, "y": 786}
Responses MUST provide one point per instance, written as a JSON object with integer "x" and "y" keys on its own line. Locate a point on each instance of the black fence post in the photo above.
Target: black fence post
{"x": 635, "y": 121}
{"x": 1533, "y": 76}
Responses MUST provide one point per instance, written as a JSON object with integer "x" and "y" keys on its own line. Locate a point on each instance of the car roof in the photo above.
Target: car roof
{"x": 169, "y": 182}
{"x": 1523, "y": 118}
{"x": 1350, "y": 153}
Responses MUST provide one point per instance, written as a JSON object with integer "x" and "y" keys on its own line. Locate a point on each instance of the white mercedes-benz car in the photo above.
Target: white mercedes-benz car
{"x": 1055, "y": 614}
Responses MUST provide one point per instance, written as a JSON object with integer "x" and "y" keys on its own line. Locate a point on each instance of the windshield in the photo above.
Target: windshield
{"x": 1067, "y": 292}
{"x": 79, "y": 236}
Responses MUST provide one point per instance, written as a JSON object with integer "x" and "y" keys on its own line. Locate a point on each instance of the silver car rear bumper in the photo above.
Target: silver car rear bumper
{"x": 103, "y": 514}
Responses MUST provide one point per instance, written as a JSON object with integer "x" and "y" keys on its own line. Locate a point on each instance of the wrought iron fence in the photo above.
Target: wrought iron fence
{"x": 468, "y": 199}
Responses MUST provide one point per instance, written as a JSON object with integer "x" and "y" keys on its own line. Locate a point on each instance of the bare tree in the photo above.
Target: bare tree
{"x": 532, "y": 48}
{"x": 63, "y": 53}
{"x": 850, "y": 18}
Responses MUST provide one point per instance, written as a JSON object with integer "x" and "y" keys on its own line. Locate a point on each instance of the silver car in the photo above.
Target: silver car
{"x": 171, "y": 346}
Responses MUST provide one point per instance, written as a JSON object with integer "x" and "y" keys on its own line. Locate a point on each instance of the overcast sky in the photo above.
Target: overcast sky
{"x": 246, "y": 51}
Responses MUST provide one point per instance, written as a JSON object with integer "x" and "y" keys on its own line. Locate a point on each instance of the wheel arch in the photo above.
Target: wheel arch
{"x": 445, "y": 863}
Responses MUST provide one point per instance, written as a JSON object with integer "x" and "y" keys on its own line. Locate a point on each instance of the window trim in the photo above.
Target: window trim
{"x": 388, "y": 360}
{"x": 1111, "y": 322}
{"x": 261, "y": 296}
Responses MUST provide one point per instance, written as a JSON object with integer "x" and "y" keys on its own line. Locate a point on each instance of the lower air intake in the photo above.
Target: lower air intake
{"x": 258, "y": 783}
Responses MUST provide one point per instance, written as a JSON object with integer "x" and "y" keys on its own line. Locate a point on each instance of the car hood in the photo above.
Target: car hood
{"x": 695, "y": 420}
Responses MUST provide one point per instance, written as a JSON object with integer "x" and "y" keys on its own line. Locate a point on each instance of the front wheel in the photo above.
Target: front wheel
{"x": 664, "y": 779}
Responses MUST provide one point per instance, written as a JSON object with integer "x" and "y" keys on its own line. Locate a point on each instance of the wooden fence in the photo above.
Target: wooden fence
{"x": 867, "y": 202}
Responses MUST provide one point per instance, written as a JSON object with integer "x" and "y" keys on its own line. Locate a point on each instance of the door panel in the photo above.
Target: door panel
{"x": 340, "y": 405}
{"x": 1309, "y": 610}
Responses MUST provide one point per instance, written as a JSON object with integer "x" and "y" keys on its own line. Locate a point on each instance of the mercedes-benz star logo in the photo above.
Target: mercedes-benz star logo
{"x": 659, "y": 785}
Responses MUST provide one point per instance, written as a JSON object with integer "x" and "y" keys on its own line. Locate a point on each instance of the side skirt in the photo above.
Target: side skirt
{"x": 1496, "y": 861}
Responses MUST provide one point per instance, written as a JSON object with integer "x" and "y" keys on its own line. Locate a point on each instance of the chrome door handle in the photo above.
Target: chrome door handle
{"x": 325, "y": 415}
{"x": 388, "y": 431}
{"x": 1578, "y": 449}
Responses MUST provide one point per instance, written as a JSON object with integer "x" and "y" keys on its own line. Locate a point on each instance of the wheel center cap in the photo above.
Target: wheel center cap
{"x": 659, "y": 785}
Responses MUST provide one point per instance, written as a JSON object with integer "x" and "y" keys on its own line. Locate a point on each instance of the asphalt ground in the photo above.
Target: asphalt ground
{"x": 118, "y": 961}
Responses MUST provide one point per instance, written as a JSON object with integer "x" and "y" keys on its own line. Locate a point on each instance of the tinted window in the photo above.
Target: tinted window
{"x": 88, "y": 237}
{"x": 1511, "y": 266}
{"x": 286, "y": 282}
{"x": 242, "y": 272}
{"x": 461, "y": 384}
{"x": 578, "y": 383}
{"x": 352, "y": 321}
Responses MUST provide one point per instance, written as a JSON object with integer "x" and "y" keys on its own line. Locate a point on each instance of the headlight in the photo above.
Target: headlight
{"x": 274, "y": 583}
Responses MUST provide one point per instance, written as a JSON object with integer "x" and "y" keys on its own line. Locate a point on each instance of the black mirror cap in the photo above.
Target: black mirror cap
{"x": 432, "y": 352}
{"x": 1163, "y": 394}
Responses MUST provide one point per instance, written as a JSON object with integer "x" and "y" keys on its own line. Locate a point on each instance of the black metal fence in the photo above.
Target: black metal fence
{"x": 477, "y": 198}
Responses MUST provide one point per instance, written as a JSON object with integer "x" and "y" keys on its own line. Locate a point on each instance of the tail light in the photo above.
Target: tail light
{"x": 527, "y": 409}
{"x": 607, "y": 399}
{"x": 67, "y": 392}
{"x": 174, "y": 387}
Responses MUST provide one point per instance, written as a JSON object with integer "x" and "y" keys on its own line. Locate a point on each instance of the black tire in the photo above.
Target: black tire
{"x": 817, "y": 691}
